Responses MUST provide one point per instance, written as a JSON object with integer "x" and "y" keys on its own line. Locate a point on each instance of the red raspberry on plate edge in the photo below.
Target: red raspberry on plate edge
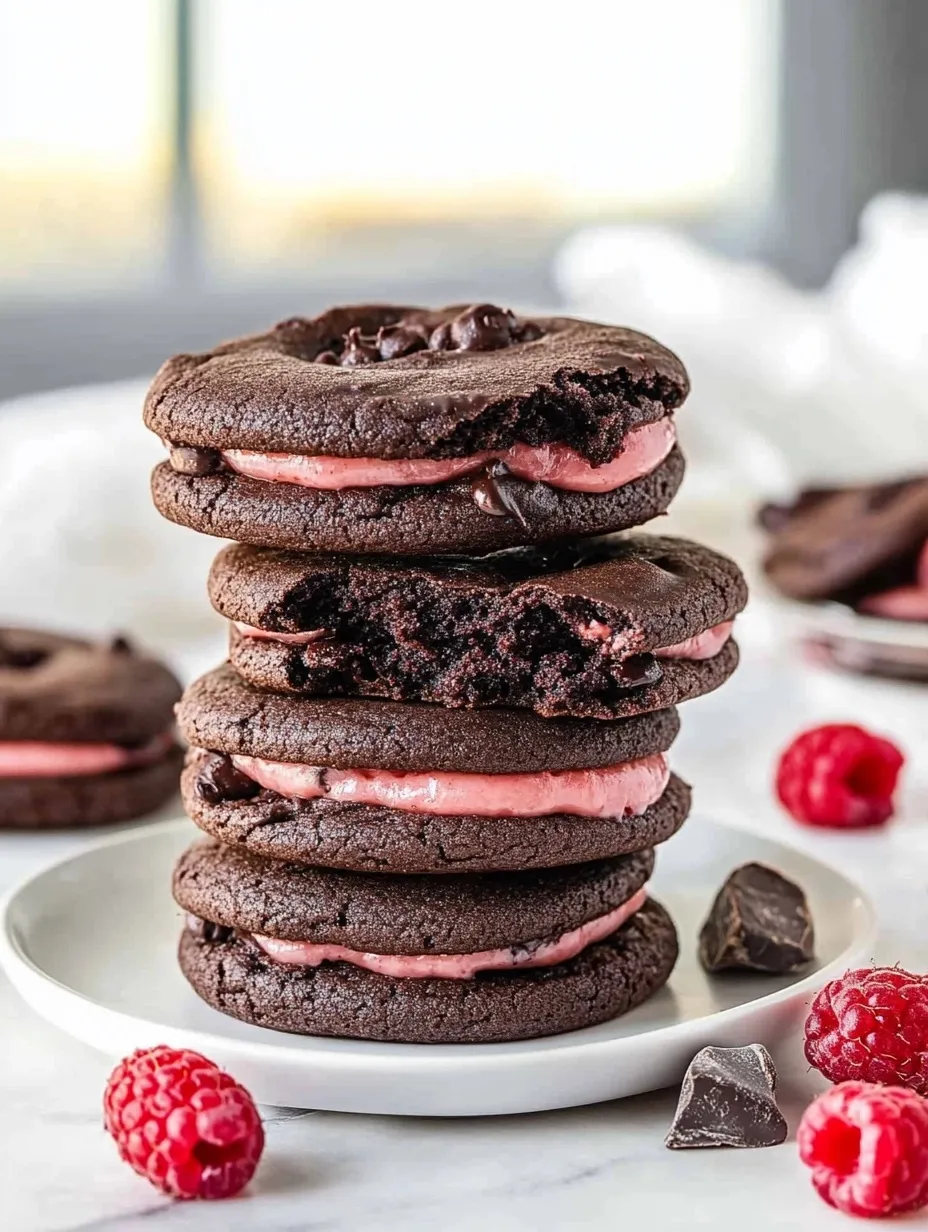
{"x": 183, "y": 1123}
{"x": 867, "y": 1146}
{"x": 871, "y": 1024}
{"x": 839, "y": 775}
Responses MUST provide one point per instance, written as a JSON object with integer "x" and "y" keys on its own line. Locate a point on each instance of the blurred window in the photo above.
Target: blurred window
{"x": 383, "y": 139}
{"x": 338, "y": 135}
{"x": 84, "y": 142}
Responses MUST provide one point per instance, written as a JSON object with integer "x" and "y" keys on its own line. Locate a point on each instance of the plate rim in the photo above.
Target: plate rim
{"x": 825, "y": 616}
{"x": 24, "y": 974}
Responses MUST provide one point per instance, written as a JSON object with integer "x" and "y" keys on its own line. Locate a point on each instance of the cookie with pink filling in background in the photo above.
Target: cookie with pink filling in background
{"x": 86, "y": 731}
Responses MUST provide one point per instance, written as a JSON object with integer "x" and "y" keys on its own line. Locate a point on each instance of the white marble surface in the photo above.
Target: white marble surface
{"x": 595, "y": 1168}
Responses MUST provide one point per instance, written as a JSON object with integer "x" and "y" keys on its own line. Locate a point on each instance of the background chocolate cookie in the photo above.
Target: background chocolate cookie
{"x": 847, "y": 543}
{"x": 86, "y": 731}
{"x": 387, "y": 429}
{"x": 578, "y": 628}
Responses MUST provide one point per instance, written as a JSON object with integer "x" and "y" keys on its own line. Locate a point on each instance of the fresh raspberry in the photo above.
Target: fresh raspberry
{"x": 183, "y": 1123}
{"x": 867, "y": 1147}
{"x": 839, "y": 775}
{"x": 872, "y": 1025}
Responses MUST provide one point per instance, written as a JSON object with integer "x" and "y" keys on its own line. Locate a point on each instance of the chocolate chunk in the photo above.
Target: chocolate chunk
{"x": 529, "y": 331}
{"x": 120, "y": 644}
{"x": 220, "y": 780}
{"x": 760, "y": 921}
{"x": 207, "y": 930}
{"x": 493, "y": 496}
{"x": 326, "y": 357}
{"x": 482, "y": 327}
{"x": 358, "y": 350}
{"x": 396, "y": 340}
{"x": 639, "y": 670}
{"x": 194, "y": 460}
{"x": 727, "y": 1099}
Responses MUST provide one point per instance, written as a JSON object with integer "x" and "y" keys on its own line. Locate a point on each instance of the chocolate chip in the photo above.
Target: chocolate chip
{"x": 482, "y": 327}
{"x": 639, "y": 670}
{"x": 727, "y": 1099}
{"x": 492, "y": 494}
{"x": 358, "y": 350}
{"x": 221, "y": 780}
{"x": 760, "y": 921}
{"x": 401, "y": 339}
{"x": 326, "y": 357}
{"x": 120, "y": 645}
{"x": 194, "y": 460}
{"x": 528, "y": 331}
{"x": 207, "y": 930}
{"x": 440, "y": 337}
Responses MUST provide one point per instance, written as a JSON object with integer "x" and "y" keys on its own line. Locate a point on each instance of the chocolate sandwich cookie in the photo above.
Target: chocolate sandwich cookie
{"x": 386, "y": 429}
{"x": 86, "y": 731}
{"x": 469, "y": 959}
{"x": 391, "y": 787}
{"x": 596, "y": 628}
{"x": 865, "y": 545}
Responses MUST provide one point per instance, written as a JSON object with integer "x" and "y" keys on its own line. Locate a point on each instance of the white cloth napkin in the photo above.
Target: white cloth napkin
{"x": 81, "y": 546}
{"x": 787, "y": 386}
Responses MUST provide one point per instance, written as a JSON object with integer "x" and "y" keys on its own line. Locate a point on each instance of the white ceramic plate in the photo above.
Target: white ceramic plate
{"x": 90, "y": 944}
{"x": 835, "y": 636}
{"x": 836, "y": 620}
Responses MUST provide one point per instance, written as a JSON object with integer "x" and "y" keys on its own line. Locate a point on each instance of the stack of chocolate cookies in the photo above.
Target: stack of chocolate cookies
{"x": 434, "y": 771}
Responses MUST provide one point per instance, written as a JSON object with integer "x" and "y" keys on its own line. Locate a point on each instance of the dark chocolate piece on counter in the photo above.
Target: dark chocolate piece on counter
{"x": 760, "y": 921}
{"x": 219, "y": 780}
{"x": 728, "y": 1099}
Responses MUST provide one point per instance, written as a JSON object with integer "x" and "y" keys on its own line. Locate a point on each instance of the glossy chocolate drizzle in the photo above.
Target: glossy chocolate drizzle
{"x": 494, "y": 496}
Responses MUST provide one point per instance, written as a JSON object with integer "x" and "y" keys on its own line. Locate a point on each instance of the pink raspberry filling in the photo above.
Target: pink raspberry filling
{"x": 643, "y": 449}
{"x": 26, "y": 759}
{"x": 623, "y": 790}
{"x": 459, "y": 966}
{"x": 703, "y": 645}
{"x": 291, "y": 639}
